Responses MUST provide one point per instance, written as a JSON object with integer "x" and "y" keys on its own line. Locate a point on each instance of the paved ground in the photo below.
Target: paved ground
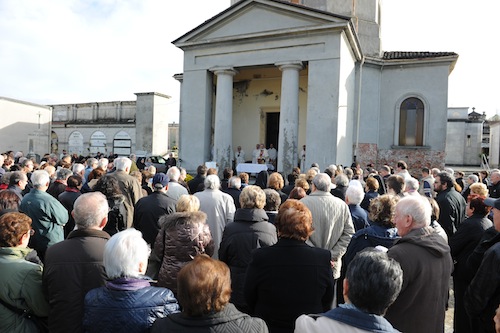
{"x": 448, "y": 322}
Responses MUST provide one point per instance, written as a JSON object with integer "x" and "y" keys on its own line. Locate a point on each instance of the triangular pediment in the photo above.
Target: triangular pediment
{"x": 259, "y": 17}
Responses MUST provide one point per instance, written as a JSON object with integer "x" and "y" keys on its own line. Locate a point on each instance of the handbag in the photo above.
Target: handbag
{"x": 40, "y": 323}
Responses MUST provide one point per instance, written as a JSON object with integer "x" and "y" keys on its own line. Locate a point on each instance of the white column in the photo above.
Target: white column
{"x": 289, "y": 116}
{"x": 223, "y": 132}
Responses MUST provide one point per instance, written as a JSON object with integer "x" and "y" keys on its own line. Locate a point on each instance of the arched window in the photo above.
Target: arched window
{"x": 411, "y": 122}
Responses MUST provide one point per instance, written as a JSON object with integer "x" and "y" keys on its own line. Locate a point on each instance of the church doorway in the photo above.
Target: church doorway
{"x": 272, "y": 128}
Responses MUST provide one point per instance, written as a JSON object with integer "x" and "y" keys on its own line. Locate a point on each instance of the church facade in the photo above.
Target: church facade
{"x": 311, "y": 73}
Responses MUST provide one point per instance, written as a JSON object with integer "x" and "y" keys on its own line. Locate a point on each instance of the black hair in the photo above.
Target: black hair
{"x": 374, "y": 281}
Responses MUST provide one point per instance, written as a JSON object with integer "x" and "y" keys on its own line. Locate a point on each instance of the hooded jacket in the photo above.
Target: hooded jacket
{"x": 426, "y": 261}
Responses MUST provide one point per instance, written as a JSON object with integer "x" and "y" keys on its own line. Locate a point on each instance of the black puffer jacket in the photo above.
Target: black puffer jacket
{"x": 249, "y": 231}
{"x": 177, "y": 243}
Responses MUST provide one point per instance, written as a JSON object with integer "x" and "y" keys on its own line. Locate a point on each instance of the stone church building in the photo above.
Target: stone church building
{"x": 309, "y": 72}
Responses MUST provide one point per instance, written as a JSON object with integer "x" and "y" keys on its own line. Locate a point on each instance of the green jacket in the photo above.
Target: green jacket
{"x": 20, "y": 286}
{"x": 49, "y": 217}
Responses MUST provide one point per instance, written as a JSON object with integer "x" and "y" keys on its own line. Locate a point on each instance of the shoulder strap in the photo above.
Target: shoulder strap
{"x": 14, "y": 309}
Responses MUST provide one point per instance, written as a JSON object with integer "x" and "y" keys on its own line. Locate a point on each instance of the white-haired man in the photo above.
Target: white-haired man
{"x": 103, "y": 164}
{"x": 218, "y": 206}
{"x": 78, "y": 169}
{"x": 494, "y": 188}
{"x": 75, "y": 265}
{"x": 130, "y": 187}
{"x": 332, "y": 220}
{"x": 411, "y": 186}
{"x": 48, "y": 214}
{"x": 426, "y": 261}
{"x": 175, "y": 190}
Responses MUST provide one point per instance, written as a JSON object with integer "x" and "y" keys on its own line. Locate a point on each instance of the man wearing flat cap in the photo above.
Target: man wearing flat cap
{"x": 149, "y": 209}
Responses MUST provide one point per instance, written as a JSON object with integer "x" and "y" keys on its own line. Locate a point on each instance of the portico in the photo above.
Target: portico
{"x": 267, "y": 73}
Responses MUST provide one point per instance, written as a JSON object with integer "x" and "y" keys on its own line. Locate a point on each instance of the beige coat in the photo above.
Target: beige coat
{"x": 332, "y": 224}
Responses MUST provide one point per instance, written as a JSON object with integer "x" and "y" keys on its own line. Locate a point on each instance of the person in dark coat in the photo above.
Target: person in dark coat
{"x": 127, "y": 303}
{"x": 201, "y": 173}
{"x": 148, "y": 210}
{"x": 381, "y": 232}
{"x": 234, "y": 190}
{"x": 261, "y": 179}
{"x": 204, "y": 288}
{"x": 494, "y": 188}
{"x": 226, "y": 174}
{"x": 249, "y": 231}
{"x": 170, "y": 161}
{"x": 371, "y": 188}
{"x": 426, "y": 261}
{"x": 67, "y": 199}
{"x": 462, "y": 243}
{"x": 59, "y": 185}
{"x": 273, "y": 202}
{"x": 341, "y": 182}
{"x": 353, "y": 197}
{"x": 289, "y": 278}
{"x": 483, "y": 293}
{"x": 75, "y": 265}
{"x": 452, "y": 205}
{"x": 17, "y": 183}
{"x": 291, "y": 178}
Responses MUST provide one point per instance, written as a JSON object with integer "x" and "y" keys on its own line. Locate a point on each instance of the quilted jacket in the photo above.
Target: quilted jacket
{"x": 126, "y": 305}
{"x": 229, "y": 320}
{"x": 177, "y": 244}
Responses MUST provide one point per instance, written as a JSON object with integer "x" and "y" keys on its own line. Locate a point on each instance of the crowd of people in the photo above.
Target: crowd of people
{"x": 107, "y": 244}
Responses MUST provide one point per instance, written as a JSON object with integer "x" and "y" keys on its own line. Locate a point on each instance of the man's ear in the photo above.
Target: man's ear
{"x": 345, "y": 291}
{"x": 103, "y": 222}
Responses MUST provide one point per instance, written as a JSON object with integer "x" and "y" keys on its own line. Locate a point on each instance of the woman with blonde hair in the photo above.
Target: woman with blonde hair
{"x": 276, "y": 182}
{"x": 187, "y": 203}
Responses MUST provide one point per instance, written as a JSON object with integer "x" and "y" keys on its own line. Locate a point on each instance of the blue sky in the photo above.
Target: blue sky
{"x": 75, "y": 51}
